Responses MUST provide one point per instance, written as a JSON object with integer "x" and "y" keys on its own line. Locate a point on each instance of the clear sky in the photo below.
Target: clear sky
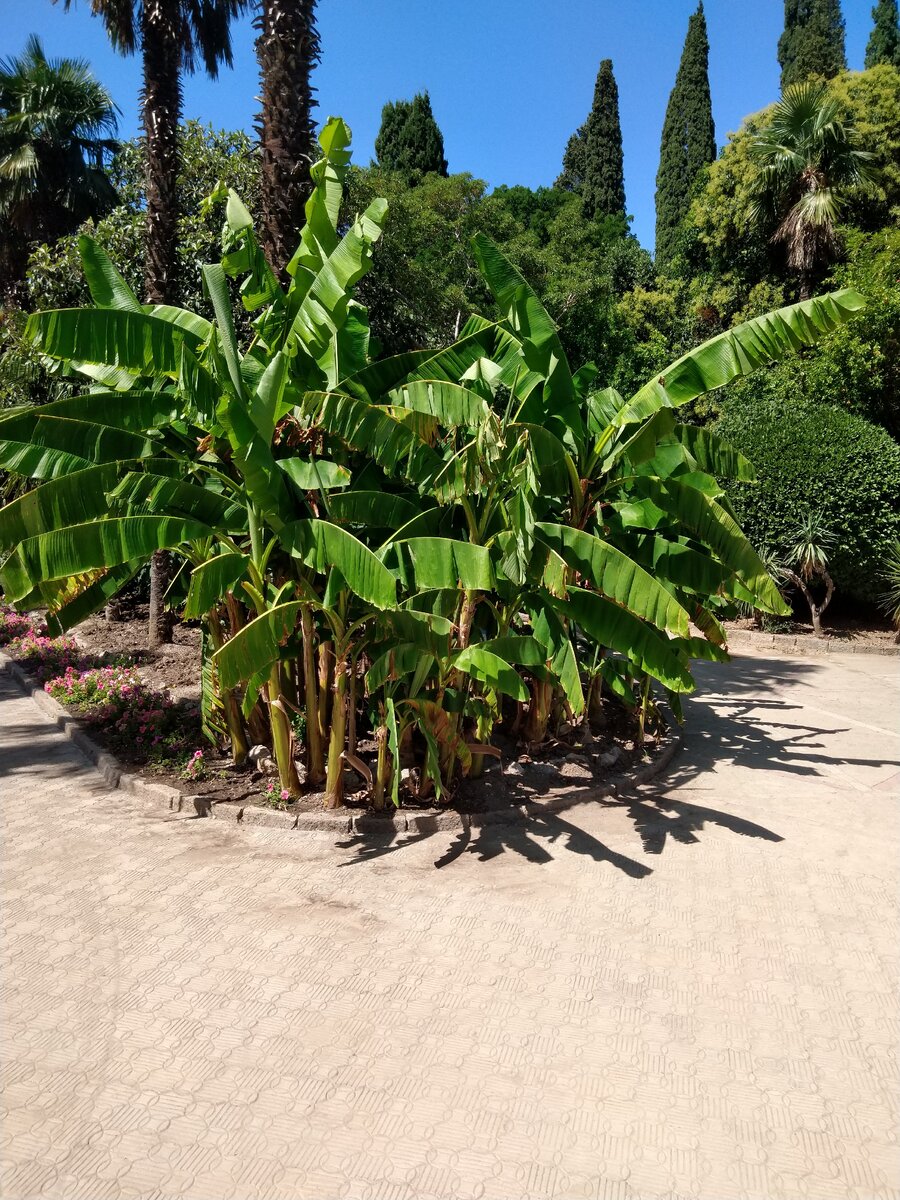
{"x": 509, "y": 79}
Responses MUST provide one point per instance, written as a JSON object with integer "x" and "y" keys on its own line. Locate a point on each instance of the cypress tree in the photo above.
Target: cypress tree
{"x": 884, "y": 41}
{"x": 688, "y": 136}
{"x": 812, "y": 42}
{"x": 603, "y": 189}
{"x": 572, "y": 177}
{"x": 409, "y": 139}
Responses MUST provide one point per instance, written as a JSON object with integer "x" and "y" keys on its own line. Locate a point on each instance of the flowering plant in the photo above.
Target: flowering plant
{"x": 195, "y": 767}
{"x": 133, "y": 716}
{"x": 15, "y": 625}
{"x": 275, "y": 796}
{"x": 45, "y": 657}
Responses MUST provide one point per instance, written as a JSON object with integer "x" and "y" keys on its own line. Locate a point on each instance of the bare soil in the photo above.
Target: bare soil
{"x": 559, "y": 768}
{"x": 869, "y": 631}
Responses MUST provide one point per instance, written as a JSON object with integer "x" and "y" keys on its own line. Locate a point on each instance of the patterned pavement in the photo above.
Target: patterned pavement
{"x": 689, "y": 993}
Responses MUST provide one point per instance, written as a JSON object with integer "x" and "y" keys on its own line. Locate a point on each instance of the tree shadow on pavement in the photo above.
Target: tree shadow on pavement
{"x": 734, "y": 717}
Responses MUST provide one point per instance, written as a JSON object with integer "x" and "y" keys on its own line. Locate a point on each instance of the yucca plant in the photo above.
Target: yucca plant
{"x": 806, "y": 562}
{"x": 429, "y": 543}
{"x": 890, "y": 598}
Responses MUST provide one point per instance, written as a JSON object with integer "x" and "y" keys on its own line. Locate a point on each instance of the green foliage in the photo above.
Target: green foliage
{"x": 688, "y": 136}
{"x": 56, "y": 127}
{"x": 812, "y": 457}
{"x": 571, "y": 178}
{"x": 812, "y": 42}
{"x": 517, "y": 513}
{"x": 883, "y": 45}
{"x": 602, "y": 180}
{"x": 409, "y": 140}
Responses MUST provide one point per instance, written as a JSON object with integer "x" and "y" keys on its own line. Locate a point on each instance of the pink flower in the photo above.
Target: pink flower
{"x": 285, "y": 794}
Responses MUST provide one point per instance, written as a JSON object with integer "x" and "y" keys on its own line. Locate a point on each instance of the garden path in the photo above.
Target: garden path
{"x": 684, "y": 993}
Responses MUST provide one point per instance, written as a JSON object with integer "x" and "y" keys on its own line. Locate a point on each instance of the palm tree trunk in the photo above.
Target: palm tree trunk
{"x": 161, "y": 108}
{"x": 287, "y": 49}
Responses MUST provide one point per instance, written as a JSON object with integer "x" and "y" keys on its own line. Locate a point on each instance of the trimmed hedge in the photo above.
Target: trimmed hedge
{"x": 816, "y": 457}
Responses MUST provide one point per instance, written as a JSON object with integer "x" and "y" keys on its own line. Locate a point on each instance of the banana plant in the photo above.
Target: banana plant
{"x": 480, "y": 529}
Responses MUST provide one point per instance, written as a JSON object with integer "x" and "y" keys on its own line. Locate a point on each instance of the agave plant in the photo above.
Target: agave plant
{"x": 425, "y": 544}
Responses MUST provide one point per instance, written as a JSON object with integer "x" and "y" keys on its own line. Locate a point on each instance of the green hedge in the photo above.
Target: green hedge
{"x": 815, "y": 457}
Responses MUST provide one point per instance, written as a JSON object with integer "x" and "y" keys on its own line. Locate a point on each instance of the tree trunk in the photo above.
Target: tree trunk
{"x": 287, "y": 49}
{"x": 161, "y": 110}
{"x": 160, "y": 625}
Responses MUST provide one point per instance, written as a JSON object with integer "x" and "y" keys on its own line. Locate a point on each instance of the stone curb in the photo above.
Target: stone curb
{"x": 805, "y": 645}
{"x": 366, "y": 824}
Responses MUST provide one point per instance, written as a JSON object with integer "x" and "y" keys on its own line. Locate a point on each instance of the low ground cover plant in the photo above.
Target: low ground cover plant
{"x": 137, "y": 720}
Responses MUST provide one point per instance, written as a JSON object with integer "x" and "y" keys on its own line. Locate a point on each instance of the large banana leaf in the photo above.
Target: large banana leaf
{"x": 147, "y": 493}
{"x": 136, "y": 342}
{"x": 363, "y": 427}
{"x": 491, "y": 670}
{"x": 80, "y": 548}
{"x": 324, "y": 308}
{"x": 681, "y": 565}
{"x": 378, "y": 510}
{"x": 443, "y": 563}
{"x": 94, "y": 597}
{"x": 210, "y": 583}
{"x": 256, "y": 647}
{"x": 85, "y": 440}
{"x": 709, "y": 523}
{"x": 531, "y": 323}
{"x": 321, "y": 546}
{"x": 108, "y": 288}
{"x": 449, "y": 403}
{"x": 616, "y": 575}
{"x": 69, "y": 500}
{"x": 319, "y": 239}
{"x": 393, "y": 664}
{"x": 740, "y": 351}
{"x": 614, "y": 627}
{"x": 252, "y": 455}
{"x": 134, "y": 411}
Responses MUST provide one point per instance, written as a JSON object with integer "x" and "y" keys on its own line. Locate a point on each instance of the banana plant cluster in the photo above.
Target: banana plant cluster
{"x": 420, "y": 546}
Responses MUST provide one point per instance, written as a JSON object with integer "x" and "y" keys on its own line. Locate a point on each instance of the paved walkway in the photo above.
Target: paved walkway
{"x": 686, "y": 995}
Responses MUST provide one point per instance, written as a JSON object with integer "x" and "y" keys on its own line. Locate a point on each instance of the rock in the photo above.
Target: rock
{"x": 515, "y": 768}
{"x": 611, "y": 757}
{"x": 261, "y": 758}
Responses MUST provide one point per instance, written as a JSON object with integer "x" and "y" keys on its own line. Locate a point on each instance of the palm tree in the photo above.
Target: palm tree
{"x": 810, "y": 160}
{"x": 56, "y": 127}
{"x": 172, "y": 35}
{"x": 287, "y": 49}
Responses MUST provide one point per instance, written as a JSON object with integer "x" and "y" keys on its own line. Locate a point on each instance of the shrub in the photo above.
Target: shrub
{"x": 816, "y": 458}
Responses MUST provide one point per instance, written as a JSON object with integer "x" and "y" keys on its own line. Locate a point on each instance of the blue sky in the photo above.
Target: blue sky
{"x": 509, "y": 79}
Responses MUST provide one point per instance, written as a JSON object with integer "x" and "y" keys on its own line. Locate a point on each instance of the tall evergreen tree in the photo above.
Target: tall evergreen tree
{"x": 410, "y": 140}
{"x": 603, "y": 190}
{"x": 884, "y": 40}
{"x": 287, "y": 49}
{"x": 688, "y": 136}
{"x": 571, "y": 178}
{"x": 812, "y": 42}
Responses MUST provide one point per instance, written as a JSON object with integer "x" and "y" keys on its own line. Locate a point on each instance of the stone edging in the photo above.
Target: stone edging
{"x": 366, "y": 824}
{"x": 804, "y": 644}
